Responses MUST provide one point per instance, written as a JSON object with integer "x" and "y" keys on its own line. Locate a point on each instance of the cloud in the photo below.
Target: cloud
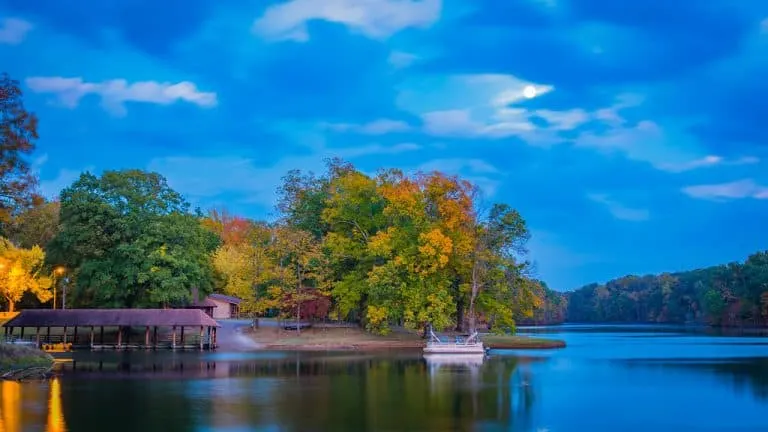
{"x": 377, "y": 19}
{"x": 115, "y": 93}
{"x": 740, "y": 189}
{"x": 400, "y": 59}
{"x": 472, "y": 106}
{"x": 620, "y": 211}
{"x": 13, "y": 31}
{"x": 709, "y": 161}
{"x": 249, "y": 180}
{"x": 376, "y": 127}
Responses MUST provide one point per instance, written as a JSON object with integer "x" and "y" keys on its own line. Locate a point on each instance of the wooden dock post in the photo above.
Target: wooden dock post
{"x": 173, "y": 338}
{"x": 146, "y": 337}
{"x": 91, "y": 337}
{"x": 119, "y": 337}
{"x": 201, "y": 338}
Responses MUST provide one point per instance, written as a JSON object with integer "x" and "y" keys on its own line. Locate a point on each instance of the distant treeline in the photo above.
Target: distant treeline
{"x": 734, "y": 294}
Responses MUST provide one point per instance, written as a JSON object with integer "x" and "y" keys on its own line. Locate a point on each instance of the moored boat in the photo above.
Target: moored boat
{"x": 470, "y": 345}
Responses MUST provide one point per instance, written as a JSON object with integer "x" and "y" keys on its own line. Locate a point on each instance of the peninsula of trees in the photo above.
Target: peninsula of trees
{"x": 390, "y": 249}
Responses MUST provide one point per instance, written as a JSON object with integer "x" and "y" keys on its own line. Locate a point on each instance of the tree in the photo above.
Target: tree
{"x": 249, "y": 270}
{"x": 230, "y": 229}
{"x": 21, "y": 271}
{"x": 496, "y": 279}
{"x": 35, "y": 226}
{"x": 300, "y": 279}
{"x": 131, "y": 241}
{"x": 18, "y": 132}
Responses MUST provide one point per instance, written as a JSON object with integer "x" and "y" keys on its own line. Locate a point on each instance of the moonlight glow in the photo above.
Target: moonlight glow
{"x": 529, "y": 92}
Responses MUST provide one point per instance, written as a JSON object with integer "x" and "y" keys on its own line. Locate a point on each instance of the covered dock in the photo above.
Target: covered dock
{"x": 125, "y": 328}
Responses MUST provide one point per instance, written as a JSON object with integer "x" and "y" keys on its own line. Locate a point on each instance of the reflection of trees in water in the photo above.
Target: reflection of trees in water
{"x": 301, "y": 392}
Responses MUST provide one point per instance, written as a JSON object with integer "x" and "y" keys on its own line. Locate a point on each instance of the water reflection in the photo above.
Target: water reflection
{"x": 297, "y": 391}
{"x": 55, "y": 412}
{"x": 25, "y": 406}
{"x": 596, "y": 384}
{"x": 11, "y": 406}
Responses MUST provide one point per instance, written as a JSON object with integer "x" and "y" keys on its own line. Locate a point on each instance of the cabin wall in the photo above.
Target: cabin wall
{"x": 223, "y": 310}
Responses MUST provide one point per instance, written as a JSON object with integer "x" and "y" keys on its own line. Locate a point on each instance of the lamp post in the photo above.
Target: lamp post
{"x": 58, "y": 271}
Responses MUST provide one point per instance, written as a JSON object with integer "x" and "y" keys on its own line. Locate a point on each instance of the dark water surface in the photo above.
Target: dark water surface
{"x": 638, "y": 378}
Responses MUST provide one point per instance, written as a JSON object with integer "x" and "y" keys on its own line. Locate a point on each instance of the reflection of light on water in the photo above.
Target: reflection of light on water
{"x": 55, "y": 412}
{"x": 9, "y": 417}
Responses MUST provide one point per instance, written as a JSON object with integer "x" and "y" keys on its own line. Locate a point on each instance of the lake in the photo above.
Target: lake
{"x": 625, "y": 378}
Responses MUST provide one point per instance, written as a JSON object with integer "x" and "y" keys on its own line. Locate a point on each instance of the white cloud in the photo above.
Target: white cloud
{"x": 376, "y": 19}
{"x": 400, "y": 59}
{"x": 709, "y": 161}
{"x": 14, "y": 30}
{"x": 115, "y": 93}
{"x": 247, "y": 179}
{"x": 473, "y": 106}
{"x": 620, "y": 211}
{"x": 740, "y": 189}
{"x": 376, "y": 127}
{"x": 563, "y": 120}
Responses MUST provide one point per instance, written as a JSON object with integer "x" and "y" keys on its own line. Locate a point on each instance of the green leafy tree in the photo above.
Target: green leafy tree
{"x": 131, "y": 241}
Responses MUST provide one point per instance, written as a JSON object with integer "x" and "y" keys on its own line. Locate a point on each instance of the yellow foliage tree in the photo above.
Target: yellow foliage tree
{"x": 21, "y": 270}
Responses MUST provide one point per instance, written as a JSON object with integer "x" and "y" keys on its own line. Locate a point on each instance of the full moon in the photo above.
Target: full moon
{"x": 529, "y": 92}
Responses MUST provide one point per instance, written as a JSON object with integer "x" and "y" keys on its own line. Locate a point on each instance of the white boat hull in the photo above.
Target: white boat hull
{"x": 477, "y": 348}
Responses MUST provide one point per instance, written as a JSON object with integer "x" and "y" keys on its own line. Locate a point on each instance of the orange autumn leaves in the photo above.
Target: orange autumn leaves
{"x": 389, "y": 249}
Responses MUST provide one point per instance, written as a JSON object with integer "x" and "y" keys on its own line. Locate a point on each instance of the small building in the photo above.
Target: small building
{"x": 121, "y": 324}
{"x": 206, "y": 305}
{"x": 226, "y": 307}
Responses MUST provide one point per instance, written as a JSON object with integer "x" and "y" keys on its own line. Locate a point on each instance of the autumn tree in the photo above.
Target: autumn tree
{"x": 249, "y": 269}
{"x": 299, "y": 270}
{"x": 22, "y": 271}
{"x": 130, "y": 241}
{"x": 18, "y": 132}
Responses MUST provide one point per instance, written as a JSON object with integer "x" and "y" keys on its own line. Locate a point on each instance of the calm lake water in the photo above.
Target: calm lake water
{"x": 637, "y": 378}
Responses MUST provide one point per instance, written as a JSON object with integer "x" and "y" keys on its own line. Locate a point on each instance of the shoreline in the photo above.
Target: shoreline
{"x": 20, "y": 362}
{"x": 355, "y": 339}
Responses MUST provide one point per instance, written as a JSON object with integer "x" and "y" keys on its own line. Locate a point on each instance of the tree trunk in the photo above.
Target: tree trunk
{"x": 298, "y": 299}
{"x": 460, "y": 314}
{"x": 472, "y": 297}
{"x": 11, "y": 306}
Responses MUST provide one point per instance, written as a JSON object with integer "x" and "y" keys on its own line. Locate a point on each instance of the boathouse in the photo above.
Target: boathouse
{"x": 115, "y": 328}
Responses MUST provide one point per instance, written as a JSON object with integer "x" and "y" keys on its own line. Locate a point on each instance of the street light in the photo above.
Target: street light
{"x": 58, "y": 271}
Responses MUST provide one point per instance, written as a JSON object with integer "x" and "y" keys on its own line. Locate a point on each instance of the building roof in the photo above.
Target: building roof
{"x": 206, "y": 303}
{"x": 225, "y": 298}
{"x": 112, "y": 317}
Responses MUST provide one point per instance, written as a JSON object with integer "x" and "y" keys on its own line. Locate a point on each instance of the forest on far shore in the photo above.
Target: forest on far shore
{"x": 728, "y": 295}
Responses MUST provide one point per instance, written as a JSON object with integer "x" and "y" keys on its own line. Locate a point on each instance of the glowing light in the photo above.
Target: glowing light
{"x": 56, "y": 421}
{"x": 529, "y": 92}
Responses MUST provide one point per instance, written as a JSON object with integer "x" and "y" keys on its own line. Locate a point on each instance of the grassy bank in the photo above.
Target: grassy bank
{"x": 332, "y": 338}
{"x": 521, "y": 342}
{"x": 15, "y": 357}
{"x": 321, "y": 339}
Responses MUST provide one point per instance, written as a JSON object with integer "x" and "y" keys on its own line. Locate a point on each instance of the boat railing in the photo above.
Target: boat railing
{"x": 470, "y": 340}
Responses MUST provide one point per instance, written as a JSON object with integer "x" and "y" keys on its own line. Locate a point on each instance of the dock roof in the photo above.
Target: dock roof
{"x": 112, "y": 317}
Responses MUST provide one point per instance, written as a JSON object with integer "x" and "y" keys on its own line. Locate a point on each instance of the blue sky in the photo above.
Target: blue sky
{"x": 629, "y": 134}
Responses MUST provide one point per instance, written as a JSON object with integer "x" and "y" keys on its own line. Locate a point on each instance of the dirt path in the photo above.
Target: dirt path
{"x": 230, "y": 336}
